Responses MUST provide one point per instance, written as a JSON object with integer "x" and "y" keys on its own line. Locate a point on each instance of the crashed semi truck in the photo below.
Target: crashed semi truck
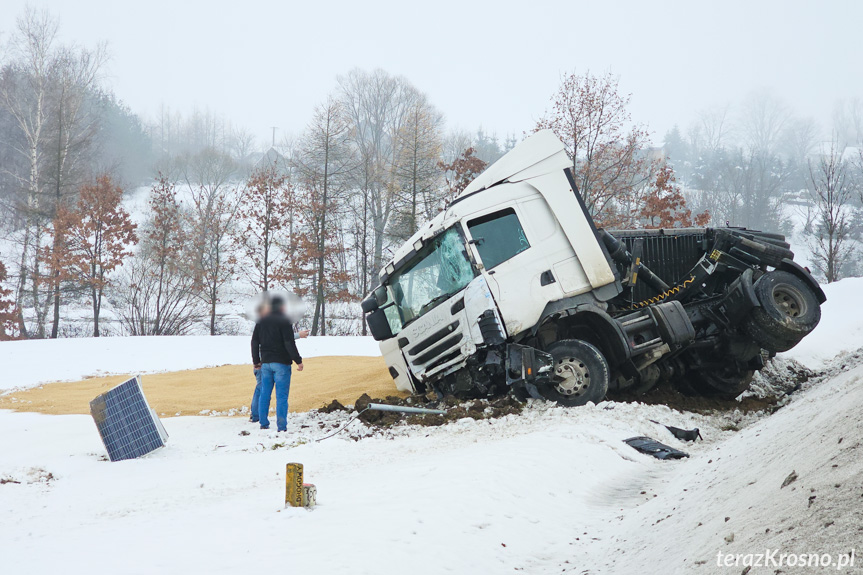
{"x": 513, "y": 288}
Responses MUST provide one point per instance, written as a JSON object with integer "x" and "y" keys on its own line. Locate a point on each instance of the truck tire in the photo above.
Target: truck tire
{"x": 789, "y": 311}
{"x": 580, "y": 374}
{"x": 726, "y": 383}
{"x": 767, "y": 340}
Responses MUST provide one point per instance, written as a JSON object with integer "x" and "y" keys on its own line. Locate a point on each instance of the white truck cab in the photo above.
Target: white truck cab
{"x": 482, "y": 298}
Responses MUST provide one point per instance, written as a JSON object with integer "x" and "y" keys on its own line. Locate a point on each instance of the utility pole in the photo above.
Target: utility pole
{"x": 274, "y": 135}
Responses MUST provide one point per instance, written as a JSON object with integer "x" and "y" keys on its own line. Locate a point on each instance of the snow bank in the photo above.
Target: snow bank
{"x": 840, "y": 330}
{"x": 30, "y": 363}
{"x": 789, "y": 482}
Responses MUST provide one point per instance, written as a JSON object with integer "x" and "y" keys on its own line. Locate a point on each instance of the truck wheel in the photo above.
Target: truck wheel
{"x": 726, "y": 383}
{"x": 767, "y": 340}
{"x": 789, "y": 311}
{"x": 580, "y": 373}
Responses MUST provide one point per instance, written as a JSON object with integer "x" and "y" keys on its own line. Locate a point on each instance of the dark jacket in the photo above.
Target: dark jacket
{"x": 273, "y": 341}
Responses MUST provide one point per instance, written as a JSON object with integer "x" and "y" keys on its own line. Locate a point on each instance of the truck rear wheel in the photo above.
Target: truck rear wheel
{"x": 580, "y": 374}
{"x": 789, "y": 311}
{"x": 727, "y": 382}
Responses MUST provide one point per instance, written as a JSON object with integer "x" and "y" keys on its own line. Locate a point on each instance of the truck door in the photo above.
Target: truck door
{"x": 500, "y": 244}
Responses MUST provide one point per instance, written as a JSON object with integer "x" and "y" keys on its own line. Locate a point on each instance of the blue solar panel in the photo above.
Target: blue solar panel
{"x": 128, "y": 426}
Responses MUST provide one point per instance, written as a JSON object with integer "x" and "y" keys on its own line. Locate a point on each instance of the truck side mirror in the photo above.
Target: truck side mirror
{"x": 379, "y": 325}
{"x": 380, "y": 294}
{"x": 369, "y": 304}
{"x": 376, "y": 299}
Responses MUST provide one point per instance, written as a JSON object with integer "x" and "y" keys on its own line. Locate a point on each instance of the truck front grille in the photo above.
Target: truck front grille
{"x": 433, "y": 338}
{"x": 444, "y": 359}
{"x": 436, "y": 350}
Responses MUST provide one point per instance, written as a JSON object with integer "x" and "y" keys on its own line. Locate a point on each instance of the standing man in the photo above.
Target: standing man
{"x": 261, "y": 312}
{"x": 273, "y": 352}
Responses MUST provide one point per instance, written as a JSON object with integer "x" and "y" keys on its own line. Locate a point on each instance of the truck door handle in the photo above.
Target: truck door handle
{"x": 546, "y": 278}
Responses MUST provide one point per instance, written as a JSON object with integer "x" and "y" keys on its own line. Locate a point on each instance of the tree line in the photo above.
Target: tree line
{"x": 320, "y": 213}
{"x": 760, "y": 165}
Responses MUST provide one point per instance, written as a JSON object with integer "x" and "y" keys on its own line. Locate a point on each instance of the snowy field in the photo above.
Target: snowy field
{"x": 29, "y": 363}
{"x": 549, "y": 491}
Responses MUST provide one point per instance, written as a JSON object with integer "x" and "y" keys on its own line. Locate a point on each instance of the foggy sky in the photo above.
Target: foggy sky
{"x": 493, "y": 64}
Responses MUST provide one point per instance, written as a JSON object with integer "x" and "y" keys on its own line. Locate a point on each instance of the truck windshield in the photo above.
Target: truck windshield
{"x": 439, "y": 270}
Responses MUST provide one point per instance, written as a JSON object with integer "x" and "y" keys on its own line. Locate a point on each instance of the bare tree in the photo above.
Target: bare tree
{"x": 832, "y": 196}
{"x": 325, "y": 163}
{"x": 74, "y": 128}
{"x": 763, "y": 120}
{"x": 156, "y": 295}
{"x": 48, "y": 89}
{"x": 211, "y": 222}
{"x": 264, "y": 214}
{"x": 714, "y": 127}
{"x": 24, "y": 91}
{"x": 155, "y": 304}
{"x": 419, "y": 177}
{"x": 378, "y": 106}
{"x": 454, "y": 144}
{"x": 590, "y": 116}
{"x": 208, "y": 170}
{"x": 801, "y": 138}
{"x": 242, "y": 143}
{"x": 848, "y": 121}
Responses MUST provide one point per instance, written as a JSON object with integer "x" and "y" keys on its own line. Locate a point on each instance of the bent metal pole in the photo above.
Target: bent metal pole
{"x": 401, "y": 409}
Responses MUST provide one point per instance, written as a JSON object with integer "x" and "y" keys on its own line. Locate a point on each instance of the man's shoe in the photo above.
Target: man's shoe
{"x": 253, "y": 420}
{"x": 267, "y": 427}
{"x": 281, "y": 430}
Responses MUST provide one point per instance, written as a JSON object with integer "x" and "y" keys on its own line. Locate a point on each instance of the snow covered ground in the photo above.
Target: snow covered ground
{"x": 549, "y": 491}
{"x": 841, "y": 326}
{"x": 29, "y": 363}
{"x": 472, "y": 497}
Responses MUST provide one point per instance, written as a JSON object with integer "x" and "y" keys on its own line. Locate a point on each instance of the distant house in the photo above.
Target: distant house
{"x": 657, "y": 153}
{"x": 848, "y": 153}
{"x": 272, "y": 158}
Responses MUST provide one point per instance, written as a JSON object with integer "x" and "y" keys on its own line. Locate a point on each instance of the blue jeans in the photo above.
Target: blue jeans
{"x": 256, "y": 396}
{"x": 278, "y": 375}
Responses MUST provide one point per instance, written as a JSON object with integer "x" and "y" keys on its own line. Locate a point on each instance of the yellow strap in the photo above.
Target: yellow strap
{"x": 662, "y": 296}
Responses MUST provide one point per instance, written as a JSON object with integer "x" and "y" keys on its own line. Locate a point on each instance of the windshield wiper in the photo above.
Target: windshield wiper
{"x": 434, "y": 301}
{"x": 427, "y": 306}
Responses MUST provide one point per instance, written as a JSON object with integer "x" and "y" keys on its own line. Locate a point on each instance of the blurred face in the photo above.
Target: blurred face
{"x": 263, "y": 309}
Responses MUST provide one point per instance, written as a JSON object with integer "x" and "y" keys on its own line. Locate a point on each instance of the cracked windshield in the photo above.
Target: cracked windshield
{"x": 440, "y": 269}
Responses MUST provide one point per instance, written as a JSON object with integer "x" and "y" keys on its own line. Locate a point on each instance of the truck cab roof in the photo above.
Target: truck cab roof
{"x": 537, "y": 155}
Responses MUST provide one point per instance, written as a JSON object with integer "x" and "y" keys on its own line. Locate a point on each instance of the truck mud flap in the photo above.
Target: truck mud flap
{"x": 739, "y": 300}
{"x": 793, "y": 267}
{"x": 654, "y": 448}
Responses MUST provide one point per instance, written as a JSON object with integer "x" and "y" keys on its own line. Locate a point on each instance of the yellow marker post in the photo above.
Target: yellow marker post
{"x": 294, "y": 485}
